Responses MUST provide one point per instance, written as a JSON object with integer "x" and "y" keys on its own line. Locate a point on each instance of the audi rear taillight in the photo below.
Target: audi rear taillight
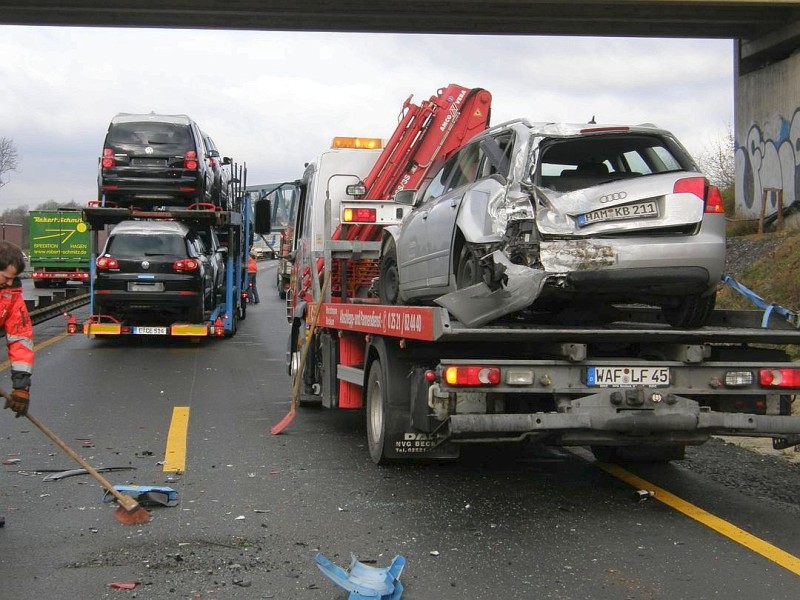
{"x": 779, "y": 378}
{"x": 472, "y": 376}
{"x": 106, "y": 263}
{"x": 690, "y": 185}
{"x": 698, "y": 186}
{"x": 108, "y": 158}
{"x": 190, "y": 160}
{"x": 185, "y": 265}
{"x": 714, "y": 201}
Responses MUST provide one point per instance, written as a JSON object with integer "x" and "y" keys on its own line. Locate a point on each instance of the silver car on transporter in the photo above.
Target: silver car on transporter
{"x": 547, "y": 219}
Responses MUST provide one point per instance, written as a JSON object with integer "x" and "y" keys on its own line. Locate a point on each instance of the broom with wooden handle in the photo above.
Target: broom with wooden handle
{"x": 128, "y": 512}
{"x": 298, "y": 375}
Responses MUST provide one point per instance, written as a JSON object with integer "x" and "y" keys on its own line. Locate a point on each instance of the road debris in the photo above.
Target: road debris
{"x": 641, "y": 495}
{"x": 152, "y": 495}
{"x": 124, "y": 585}
{"x": 72, "y": 472}
{"x": 363, "y": 581}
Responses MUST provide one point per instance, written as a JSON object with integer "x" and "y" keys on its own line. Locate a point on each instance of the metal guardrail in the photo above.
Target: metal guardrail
{"x": 49, "y": 307}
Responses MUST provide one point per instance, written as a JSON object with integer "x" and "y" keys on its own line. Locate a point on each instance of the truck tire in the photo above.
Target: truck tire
{"x": 381, "y": 385}
{"x": 639, "y": 454}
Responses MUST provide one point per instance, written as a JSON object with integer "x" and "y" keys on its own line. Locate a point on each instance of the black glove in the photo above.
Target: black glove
{"x": 18, "y": 402}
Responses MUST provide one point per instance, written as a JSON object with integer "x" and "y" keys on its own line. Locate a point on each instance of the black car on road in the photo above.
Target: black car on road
{"x": 160, "y": 271}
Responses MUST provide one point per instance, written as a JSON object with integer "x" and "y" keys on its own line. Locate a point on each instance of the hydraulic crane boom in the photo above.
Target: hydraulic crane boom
{"x": 426, "y": 133}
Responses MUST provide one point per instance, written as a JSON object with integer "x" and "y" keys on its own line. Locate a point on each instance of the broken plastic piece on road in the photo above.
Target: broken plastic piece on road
{"x": 363, "y": 581}
{"x": 644, "y": 494}
{"x": 124, "y": 585}
{"x": 11, "y": 461}
{"x": 71, "y": 472}
{"x": 152, "y": 495}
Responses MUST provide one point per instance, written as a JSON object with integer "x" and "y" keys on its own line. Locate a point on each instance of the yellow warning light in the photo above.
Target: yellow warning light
{"x": 357, "y": 142}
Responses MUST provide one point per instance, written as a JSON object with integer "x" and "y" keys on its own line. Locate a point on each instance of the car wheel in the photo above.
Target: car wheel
{"x": 690, "y": 312}
{"x": 468, "y": 271}
{"x": 389, "y": 278}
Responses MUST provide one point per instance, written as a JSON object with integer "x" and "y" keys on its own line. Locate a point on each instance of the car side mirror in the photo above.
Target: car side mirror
{"x": 226, "y": 160}
{"x": 222, "y": 250}
{"x": 405, "y": 197}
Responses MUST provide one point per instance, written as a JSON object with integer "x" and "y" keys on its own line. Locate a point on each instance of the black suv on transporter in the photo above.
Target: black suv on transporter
{"x": 157, "y": 160}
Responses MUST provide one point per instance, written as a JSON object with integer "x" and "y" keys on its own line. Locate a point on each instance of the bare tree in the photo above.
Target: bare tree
{"x": 718, "y": 162}
{"x": 9, "y": 158}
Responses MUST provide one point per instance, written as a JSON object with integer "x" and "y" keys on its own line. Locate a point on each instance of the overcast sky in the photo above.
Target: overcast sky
{"x": 275, "y": 100}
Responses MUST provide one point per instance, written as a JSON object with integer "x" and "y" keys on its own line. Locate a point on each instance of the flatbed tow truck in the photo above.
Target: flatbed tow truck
{"x": 630, "y": 388}
{"x": 234, "y": 228}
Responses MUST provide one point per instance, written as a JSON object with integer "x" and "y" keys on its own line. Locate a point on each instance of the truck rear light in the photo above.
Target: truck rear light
{"x": 359, "y": 215}
{"x": 106, "y": 263}
{"x": 190, "y": 160}
{"x": 472, "y": 376}
{"x": 108, "y": 158}
{"x": 185, "y": 265}
{"x": 780, "y": 378}
{"x": 739, "y": 378}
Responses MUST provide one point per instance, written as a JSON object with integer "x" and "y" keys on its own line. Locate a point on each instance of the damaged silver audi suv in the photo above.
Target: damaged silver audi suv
{"x": 560, "y": 221}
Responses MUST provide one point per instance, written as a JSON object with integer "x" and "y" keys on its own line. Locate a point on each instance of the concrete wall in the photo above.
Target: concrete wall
{"x": 767, "y": 135}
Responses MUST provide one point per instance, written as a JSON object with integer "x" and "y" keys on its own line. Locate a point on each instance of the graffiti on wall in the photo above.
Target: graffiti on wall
{"x": 768, "y": 161}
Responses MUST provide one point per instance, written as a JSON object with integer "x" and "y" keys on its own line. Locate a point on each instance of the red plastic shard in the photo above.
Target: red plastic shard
{"x": 124, "y": 585}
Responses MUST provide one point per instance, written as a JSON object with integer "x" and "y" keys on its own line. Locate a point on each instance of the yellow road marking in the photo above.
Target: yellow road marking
{"x": 740, "y": 536}
{"x": 175, "y": 455}
{"x": 41, "y": 346}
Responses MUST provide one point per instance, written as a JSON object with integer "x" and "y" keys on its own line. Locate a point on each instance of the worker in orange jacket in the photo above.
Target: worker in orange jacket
{"x": 252, "y": 271}
{"x": 16, "y": 322}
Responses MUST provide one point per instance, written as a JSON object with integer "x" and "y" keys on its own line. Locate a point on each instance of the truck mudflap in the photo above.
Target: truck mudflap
{"x": 591, "y": 420}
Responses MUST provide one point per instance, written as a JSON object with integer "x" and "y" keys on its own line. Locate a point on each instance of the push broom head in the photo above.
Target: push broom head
{"x": 129, "y": 512}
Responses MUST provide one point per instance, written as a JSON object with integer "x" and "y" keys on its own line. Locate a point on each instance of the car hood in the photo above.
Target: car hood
{"x": 558, "y": 213}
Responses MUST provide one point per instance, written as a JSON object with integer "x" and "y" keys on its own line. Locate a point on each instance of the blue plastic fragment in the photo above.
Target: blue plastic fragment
{"x": 146, "y": 494}
{"x": 363, "y": 581}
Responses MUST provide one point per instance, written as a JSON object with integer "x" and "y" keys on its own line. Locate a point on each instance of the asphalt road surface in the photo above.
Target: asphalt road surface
{"x": 254, "y": 509}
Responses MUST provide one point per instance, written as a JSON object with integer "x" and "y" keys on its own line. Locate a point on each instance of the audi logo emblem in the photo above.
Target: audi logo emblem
{"x": 613, "y": 197}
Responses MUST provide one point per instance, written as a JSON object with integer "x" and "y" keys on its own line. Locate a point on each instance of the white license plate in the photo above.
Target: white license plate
{"x": 149, "y": 331}
{"x": 627, "y": 376}
{"x": 639, "y": 210}
{"x": 134, "y": 286}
